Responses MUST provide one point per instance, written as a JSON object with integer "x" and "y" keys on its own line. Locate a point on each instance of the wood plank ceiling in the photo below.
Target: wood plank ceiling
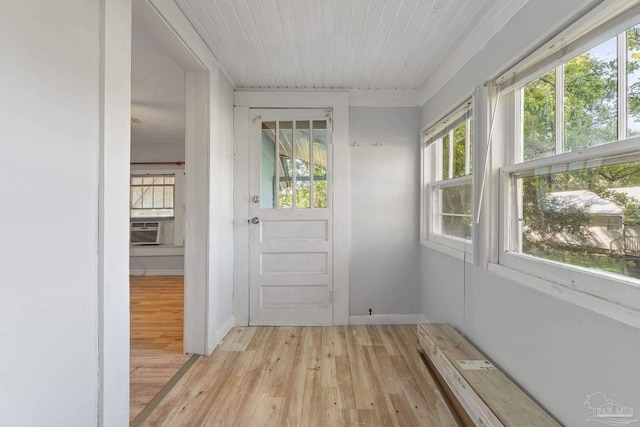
{"x": 344, "y": 44}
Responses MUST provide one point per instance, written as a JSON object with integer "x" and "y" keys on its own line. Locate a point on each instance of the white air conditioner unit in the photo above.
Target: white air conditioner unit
{"x": 145, "y": 233}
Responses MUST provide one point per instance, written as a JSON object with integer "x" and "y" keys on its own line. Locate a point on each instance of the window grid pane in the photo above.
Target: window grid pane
{"x": 633, "y": 81}
{"x": 589, "y": 217}
{"x": 539, "y": 117}
{"x": 152, "y": 196}
{"x": 591, "y": 97}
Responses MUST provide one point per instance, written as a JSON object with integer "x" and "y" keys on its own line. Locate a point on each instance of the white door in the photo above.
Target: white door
{"x": 291, "y": 273}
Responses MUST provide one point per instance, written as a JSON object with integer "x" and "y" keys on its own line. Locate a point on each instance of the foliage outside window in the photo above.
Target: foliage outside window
{"x": 572, "y": 207}
{"x": 152, "y": 196}
{"x": 298, "y": 178}
{"x": 449, "y": 153}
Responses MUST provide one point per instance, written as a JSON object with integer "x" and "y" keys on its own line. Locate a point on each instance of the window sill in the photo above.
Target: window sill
{"x": 455, "y": 253}
{"x": 561, "y": 292}
{"x": 156, "y": 250}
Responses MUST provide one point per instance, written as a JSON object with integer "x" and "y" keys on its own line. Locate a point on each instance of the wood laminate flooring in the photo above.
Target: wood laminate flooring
{"x": 157, "y": 312}
{"x": 309, "y": 376}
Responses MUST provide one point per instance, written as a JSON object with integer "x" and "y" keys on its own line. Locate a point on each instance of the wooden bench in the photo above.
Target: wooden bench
{"x": 483, "y": 393}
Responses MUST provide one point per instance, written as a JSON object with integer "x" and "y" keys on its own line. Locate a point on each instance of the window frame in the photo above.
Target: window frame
{"x": 179, "y": 194}
{"x": 152, "y": 175}
{"x": 431, "y": 146}
{"x": 618, "y": 288}
{"x": 605, "y": 287}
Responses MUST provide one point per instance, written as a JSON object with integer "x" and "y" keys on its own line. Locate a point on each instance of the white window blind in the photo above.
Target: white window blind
{"x": 451, "y": 121}
{"x": 592, "y": 28}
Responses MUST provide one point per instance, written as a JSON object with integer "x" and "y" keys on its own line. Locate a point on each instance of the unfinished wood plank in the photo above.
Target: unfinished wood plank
{"x": 503, "y": 398}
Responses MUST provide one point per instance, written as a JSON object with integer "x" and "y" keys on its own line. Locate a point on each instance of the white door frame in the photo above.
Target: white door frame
{"x": 339, "y": 102}
{"x": 168, "y": 26}
{"x": 165, "y": 23}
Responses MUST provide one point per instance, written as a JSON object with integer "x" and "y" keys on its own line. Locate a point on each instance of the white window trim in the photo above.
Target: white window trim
{"x": 615, "y": 296}
{"x": 178, "y": 207}
{"x": 608, "y": 286}
{"x": 459, "y": 245}
{"x": 149, "y": 218}
{"x": 570, "y": 295}
{"x": 451, "y": 245}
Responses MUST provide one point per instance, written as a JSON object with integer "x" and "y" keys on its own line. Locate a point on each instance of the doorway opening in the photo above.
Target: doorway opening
{"x": 157, "y": 220}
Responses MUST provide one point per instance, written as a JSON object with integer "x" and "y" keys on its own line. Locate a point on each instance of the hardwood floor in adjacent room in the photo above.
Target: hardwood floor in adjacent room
{"x": 309, "y": 376}
{"x": 157, "y": 312}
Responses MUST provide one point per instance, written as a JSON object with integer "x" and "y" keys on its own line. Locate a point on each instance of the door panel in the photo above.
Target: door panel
{"x": 291, "y": 273}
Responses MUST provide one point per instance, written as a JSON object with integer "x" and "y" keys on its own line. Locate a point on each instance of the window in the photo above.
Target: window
{"x": 572, "y": 188}
{"x": 152, "y": 196}
{"x": 448, "y": 191}
{"x": 298, "y": 179}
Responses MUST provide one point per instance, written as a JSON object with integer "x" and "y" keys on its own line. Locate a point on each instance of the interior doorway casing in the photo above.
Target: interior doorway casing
{"x": 339, "y": 103}
{"x": 166, "y": 24}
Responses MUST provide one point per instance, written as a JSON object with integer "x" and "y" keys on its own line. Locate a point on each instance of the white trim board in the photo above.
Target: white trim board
{"x": 424, "y": 319}
{"x": 595, "y": 304}
{"x": 386, "y": 319}
{"x": 225, "y": 329}
{"x": 150, "y": 250}
{"x": 339, "y": 102}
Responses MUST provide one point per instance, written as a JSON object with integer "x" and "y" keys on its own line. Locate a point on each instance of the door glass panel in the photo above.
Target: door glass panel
{"x": 285, "y": 190}
{"x": 268, "y": 163}
{"x": 294, "y": 164}
{"x": 302, "y": 165}
{"x": 319, "y": 164}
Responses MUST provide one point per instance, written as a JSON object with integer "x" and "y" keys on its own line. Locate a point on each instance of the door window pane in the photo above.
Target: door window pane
{"x": 294, "y": 164}
{"x": 268, "y": 163}
{"x": 302, "y": 171}
{"x": 319, "y": 164}
{"x": 285, "y": 161}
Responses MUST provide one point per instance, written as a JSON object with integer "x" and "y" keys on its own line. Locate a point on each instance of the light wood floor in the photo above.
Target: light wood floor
{"x": 157, "y": 312}
{"x": 308, "y": 376}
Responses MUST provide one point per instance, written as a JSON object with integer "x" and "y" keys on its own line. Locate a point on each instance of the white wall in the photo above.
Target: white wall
{"x": 49, "y": 145}
{"x": 557, "y": 351}
{"x": 384, "y": 211}
{"x": 221, "y": 211}
{"x": 157, "y": 152}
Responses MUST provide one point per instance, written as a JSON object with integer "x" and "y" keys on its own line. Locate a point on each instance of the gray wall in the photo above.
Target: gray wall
{"x": 557, "y": 351}
{"x": 384, "y": 187}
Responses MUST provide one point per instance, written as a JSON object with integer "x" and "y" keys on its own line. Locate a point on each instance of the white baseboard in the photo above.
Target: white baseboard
{"x": 423, "y": 319}
{"x": 220, "y": 334}
{"x": 385, "y": 319}
{"x": 224, "y": 329}
{"x": 141, "y": 272}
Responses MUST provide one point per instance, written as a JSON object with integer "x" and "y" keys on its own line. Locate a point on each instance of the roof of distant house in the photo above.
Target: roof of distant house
{"x": 595, "y": 204}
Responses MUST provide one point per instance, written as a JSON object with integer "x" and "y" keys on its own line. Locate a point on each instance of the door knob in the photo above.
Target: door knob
{"x": 255, "y": 220}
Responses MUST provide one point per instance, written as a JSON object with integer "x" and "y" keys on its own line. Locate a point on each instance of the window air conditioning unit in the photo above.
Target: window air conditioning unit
{"x": 145, "y": 233}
